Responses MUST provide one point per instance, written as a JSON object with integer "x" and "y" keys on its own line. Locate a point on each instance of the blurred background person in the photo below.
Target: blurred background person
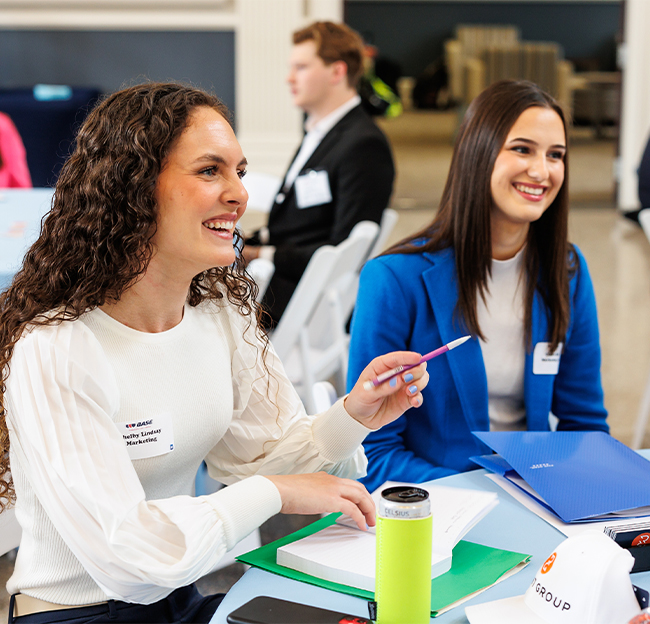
{"x": 343, "y": 172}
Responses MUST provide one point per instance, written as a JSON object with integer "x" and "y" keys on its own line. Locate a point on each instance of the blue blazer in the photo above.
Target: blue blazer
{"x": 407, "y": 302}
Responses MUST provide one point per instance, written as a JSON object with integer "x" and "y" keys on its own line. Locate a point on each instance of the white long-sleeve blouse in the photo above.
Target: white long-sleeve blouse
{"x": 108, "y": 427}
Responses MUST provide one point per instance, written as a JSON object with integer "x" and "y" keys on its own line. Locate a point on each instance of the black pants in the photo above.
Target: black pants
{"x": 182, "y": 605}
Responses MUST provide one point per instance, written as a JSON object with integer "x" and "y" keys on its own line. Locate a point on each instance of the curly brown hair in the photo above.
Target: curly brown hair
{"x": 96, "y": 240}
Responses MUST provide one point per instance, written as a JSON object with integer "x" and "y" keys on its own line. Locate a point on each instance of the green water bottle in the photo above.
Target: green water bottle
{"x": 403, "y": 575}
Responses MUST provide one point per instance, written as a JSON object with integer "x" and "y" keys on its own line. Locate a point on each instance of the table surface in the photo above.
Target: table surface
{"x": 509, "y": 526}
{"x": 21, "y": 211}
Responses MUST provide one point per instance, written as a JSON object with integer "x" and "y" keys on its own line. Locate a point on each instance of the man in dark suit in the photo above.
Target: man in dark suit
{"x": 343, "y": 172}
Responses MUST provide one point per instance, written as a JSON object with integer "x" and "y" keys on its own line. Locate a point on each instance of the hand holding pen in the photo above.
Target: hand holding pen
{"x": 388, "y": 375}
{"x": 388, "y": 401}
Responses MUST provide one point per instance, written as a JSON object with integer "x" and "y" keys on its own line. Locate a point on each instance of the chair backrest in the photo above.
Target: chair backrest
{"x": 324, "y": 395}
{"x": 474, "y": 38}
{"x": 262, "y": 189}
{"x": 328, "y": 269}
{"x": 388, "y": 220}
{"x": 644, "y": 221}
{"x": 344, "y": 290}
{"x": 261, "y": 270}
{"x": 10, "y": 531}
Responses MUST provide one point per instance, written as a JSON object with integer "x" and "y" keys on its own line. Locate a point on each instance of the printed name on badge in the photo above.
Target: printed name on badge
{"x": 545, "y": 363}
{"x": 148, "y": 437}
{"x": 313, "y": 189}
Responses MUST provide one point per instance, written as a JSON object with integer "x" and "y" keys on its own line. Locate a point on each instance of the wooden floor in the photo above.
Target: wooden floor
{"x": 616, "y": 250}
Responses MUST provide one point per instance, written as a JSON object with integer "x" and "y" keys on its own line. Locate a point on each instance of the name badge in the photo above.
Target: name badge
{"x": 545, "y": 363}
{"x": 313, "y": 189}
{"x": 148, "y": 437}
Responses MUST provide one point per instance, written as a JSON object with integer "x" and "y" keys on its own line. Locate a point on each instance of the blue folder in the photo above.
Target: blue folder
{"x": 578, "y": 475}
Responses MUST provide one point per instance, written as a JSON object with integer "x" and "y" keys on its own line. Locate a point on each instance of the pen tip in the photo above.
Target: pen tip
{"x": 368, "y": 385}
{"x": 455, "y": 343}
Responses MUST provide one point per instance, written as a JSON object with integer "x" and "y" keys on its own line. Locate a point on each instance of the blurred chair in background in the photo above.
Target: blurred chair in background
{"x": 311, "y": 339}
{"x": 10, "y": 531}
{"x": 480, "y": 55}
{"x": 387, "y": 224}
{"x": 644, "y": 406}
{"x": 324, "y": 395}
{"x": 261, "y": 270}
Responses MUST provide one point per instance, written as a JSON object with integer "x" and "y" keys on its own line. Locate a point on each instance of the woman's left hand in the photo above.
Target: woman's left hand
{"x": 385, "y": 403}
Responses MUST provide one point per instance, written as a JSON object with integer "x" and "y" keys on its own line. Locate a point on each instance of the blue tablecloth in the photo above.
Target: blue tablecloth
{"x": 21, "y": 211}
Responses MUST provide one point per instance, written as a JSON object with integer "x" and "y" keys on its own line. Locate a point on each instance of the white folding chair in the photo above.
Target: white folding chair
{"x": 388, "y": 221}
{"x": 310, "y": 338}
{"x": 324, "y": 395}
{"x": 644, "y": 406}
{"x": 261, "y": 270}
{"x": 349, "y": 295}
{"x": 10, "y": 531}
{"x": 262, "y": 189}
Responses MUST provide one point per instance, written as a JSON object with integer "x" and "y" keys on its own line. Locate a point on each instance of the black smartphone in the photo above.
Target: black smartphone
{"x": 267, "y": 610}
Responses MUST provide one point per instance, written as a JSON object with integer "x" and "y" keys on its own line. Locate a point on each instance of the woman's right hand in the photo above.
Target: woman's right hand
{"x": 320, "y": 492}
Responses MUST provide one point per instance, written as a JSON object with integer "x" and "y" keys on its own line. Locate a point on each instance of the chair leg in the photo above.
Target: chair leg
{"x": 642, "y": 418}
{"x": 307, "y": 373}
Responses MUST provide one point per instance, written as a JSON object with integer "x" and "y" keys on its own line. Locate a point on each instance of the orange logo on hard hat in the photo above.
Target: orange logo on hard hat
{"x": 548, "y": 564}
{"x": 641, "y": 540}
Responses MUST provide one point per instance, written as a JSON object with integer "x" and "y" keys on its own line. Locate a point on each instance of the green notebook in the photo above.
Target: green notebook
{"x": 474, "y": 568}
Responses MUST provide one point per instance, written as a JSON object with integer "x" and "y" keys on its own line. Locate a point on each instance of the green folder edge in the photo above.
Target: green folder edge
{"x": 473, "y": 568}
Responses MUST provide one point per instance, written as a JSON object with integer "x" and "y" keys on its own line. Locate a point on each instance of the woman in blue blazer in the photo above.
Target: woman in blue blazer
{"x": 494, "y": 263}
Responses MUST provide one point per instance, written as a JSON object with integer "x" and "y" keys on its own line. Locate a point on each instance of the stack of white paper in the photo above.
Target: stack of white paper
{"x": 342, "y": 553}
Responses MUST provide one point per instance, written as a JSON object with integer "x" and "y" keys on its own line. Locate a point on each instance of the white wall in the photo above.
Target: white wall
{"x": 635, "y": 107}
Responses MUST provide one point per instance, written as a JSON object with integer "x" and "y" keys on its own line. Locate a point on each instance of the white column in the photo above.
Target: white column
{"x": 325, "y": 10}
{"x": 635, "y": 108}
{"x": 269, "y": 127}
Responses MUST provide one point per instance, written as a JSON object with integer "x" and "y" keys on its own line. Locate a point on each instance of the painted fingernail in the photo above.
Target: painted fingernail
{"x": 408, "y": 377}
{"x": 393, "y": 382}
{"x": 413, "y": 389}
{"x": 418, "y": 402}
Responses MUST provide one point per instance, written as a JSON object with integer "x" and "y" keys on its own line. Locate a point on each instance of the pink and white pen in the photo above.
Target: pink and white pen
{"x": 380, "y": 379}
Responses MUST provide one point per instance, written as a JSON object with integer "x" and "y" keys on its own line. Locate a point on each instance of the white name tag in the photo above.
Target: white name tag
{"x": 148, "y": 437}
{"x": 545, "y": 363}
{"x": 313, "y": 189}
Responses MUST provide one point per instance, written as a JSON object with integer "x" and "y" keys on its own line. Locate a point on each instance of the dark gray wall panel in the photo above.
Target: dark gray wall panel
{"x": 109, "y": 60}
{"x": 412, "y": 33}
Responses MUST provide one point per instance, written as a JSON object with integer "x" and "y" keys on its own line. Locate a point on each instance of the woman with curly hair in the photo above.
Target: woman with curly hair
{"x": 495, "y": 263}
{"x": 130, "y": 352}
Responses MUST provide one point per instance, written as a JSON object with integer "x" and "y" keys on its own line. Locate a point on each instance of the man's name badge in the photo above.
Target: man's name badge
{"x": 313, "y": 189}
{"x": 148, "y": 437}
{"x": 545, "y": 363}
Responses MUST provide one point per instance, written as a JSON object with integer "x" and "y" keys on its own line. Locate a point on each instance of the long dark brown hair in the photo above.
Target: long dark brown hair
{"x": 96, "y": 240}
{"x": 463, "y": 218}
